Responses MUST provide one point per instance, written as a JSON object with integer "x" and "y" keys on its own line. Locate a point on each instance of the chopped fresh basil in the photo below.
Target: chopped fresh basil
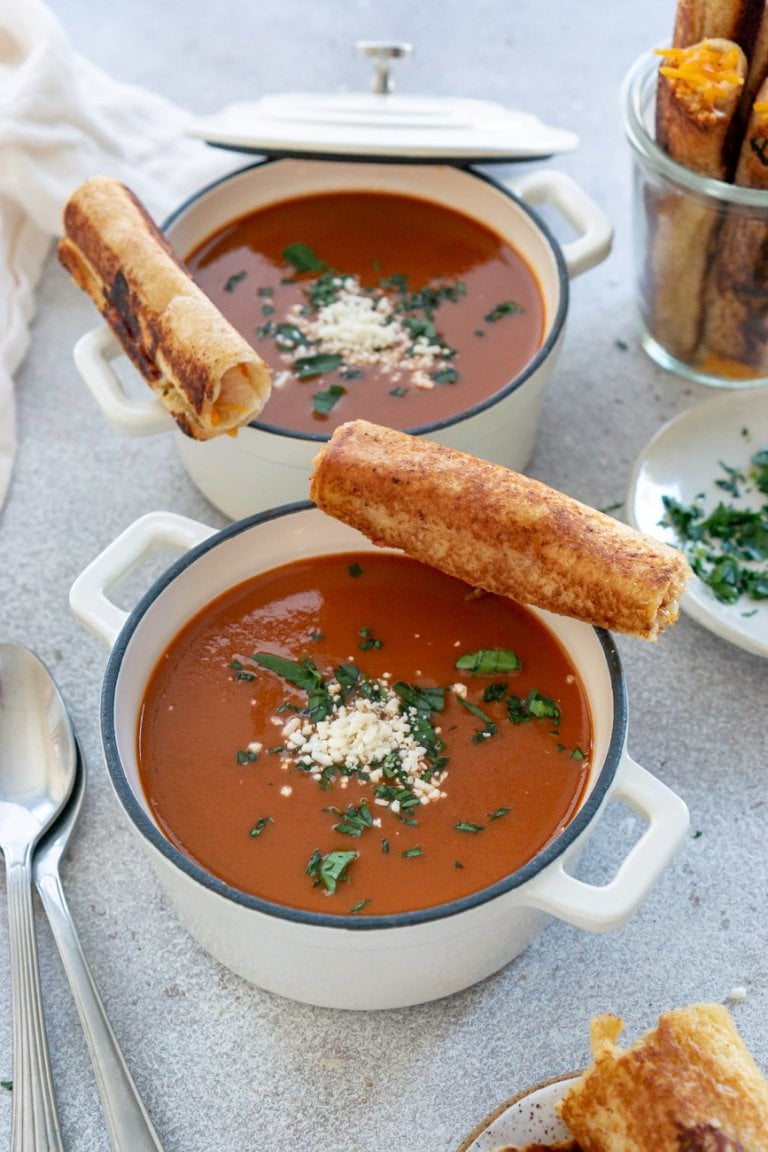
{"x": 488, "y": 730}
{"x": 288, "y": 336}
{"x": 424, "y": 700}
{"x": 409, "y": 853}
{"x": 534, "y": 707}
{"x": 445, "y": 376}
{"x": 306, "y": 366}
{"x": 466, "y": 826}
{"x": 506, "y": 308}
{"x": 495, "y": 691}
{"x": 498, "y": 813}
{"x": 727, "y": 548}
{"x": 329, "y": 870}
{"x": 303, "y": 259}
{"x": 358, "y": 907}
{"x": 577, "y": 754}
{"x": 355, "y": 570}
{"x": 240, "y": 671}
{"x": 354, "y": 821}
{"x": 488, "y": 662}
{"x": 246, "y": 756}
{"x": 399, "y": 390}
{"x": 368, "y": 640}
{"x": 325, "y": 402}
{"x": 234, "y": 280}
{"x": 260, "y": 825}
{"x": 304, "y": 674}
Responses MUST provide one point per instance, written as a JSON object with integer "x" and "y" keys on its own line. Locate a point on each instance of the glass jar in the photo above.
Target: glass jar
{"x": 700, "y": 253}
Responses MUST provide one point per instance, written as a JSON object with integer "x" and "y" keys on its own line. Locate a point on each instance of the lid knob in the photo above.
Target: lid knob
{"x": 383, "y": 53}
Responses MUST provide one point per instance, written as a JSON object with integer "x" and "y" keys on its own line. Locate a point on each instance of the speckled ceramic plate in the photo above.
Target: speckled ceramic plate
{"x": 683, "y": 460}
{"x": 527, "y": 1118}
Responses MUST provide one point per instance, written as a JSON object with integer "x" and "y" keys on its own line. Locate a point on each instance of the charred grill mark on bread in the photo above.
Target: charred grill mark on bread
{"x": 205, "y": 373}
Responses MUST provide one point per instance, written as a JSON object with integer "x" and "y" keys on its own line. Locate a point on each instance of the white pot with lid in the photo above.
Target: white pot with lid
{"x": 377, "y": 141}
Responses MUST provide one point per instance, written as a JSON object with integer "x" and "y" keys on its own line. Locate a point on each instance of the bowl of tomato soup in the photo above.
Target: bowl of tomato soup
{"x": 428, "y": 298}
{"x": 362, "y": 784}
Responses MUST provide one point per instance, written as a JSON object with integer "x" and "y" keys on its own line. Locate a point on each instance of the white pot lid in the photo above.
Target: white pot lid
{"x": 382, "y": 124}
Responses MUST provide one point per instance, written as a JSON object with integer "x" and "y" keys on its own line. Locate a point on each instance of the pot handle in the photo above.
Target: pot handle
{"x": 89, "y": 596}
{"x": 94, "y": 355}
{"x": 557, "y": 189}
{"x": 603, "y": 908}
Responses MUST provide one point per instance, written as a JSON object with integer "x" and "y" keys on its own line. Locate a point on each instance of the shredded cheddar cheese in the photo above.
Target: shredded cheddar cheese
{"x": 713, "y": 72}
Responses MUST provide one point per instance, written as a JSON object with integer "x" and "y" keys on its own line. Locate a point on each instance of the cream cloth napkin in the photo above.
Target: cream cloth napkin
{"x": 61, "y": 121}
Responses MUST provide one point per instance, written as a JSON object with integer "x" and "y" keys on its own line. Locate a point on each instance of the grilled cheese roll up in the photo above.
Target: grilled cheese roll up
{"x": 697, "y": 20}
{"x": 207, "y": 376}
{"x": 698, "y": 95}
{"x": 697, "y": 98}
{"x": 688, "y": 1085}
{"x": 736, "y": 323}
{"x": 497, "y": 530}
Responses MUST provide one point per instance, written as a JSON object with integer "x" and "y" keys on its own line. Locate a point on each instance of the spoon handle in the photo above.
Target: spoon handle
{"x": 35, "y": 1123}
{"x": 129, "y": 1126}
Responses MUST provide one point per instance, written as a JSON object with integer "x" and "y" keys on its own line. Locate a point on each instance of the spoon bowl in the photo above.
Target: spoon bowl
{"x": 37, "y": 747}
{"x": 38, "y": 762}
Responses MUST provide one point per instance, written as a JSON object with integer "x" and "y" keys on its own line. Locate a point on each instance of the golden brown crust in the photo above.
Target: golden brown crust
{"x": 497, "y": 530}
{"x": 558, "y": 1146}
{"x": 736, "y": 301}
{"x": 210, "y": 379}
{"x": 698, "y": 95}
{"x": 688, "y": 1085}
{"x": 752, "y": 165}
{"x": 726, "y": 19}
{"x": 681, "y": 238}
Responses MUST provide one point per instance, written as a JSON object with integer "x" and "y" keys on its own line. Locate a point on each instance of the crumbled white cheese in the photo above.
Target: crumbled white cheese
{"x": 364, "y": 328}
{"x": 357, "y": 737}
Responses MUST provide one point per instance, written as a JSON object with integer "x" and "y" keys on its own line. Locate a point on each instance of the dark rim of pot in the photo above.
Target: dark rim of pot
{"x": 151, "y": 833}
{"x": 490, "y": 401}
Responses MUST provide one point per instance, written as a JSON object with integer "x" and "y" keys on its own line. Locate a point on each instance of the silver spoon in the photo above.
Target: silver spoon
{"x": 128, "y": 1125}
{"x": 38, "y": 759}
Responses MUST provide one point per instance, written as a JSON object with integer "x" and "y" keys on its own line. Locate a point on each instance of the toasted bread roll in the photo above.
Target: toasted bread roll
{"x": 697, "y": 20}
{"x": 698, "y": 95}
{"x": 688, "y": 1085}
{"x": 208, "y": 377}
{"x": 752, "y": 164}
{"x": 735, "y": 328}
{"x": 757, "y": 55}
{"x": 497, "y": 530}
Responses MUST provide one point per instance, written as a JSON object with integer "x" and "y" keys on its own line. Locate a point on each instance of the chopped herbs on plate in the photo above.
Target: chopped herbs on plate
{"x": 727, "y": 545}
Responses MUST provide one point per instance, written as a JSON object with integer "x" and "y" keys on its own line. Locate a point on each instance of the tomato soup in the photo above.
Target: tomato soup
{"x": 361, "y": 734}
{"x": 373, "y": 304}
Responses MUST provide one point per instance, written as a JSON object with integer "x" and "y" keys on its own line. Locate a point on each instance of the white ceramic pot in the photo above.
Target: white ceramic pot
{"x": 264, "y": 466}
{"x": 349, "y": 962}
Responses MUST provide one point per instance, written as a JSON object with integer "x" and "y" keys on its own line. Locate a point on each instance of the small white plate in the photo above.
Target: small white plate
{"x": 527, "y": 1118}
{"x": 683, "y": 461}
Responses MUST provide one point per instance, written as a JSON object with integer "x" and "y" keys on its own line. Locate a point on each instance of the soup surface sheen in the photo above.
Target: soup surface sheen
{"x": 373, "y": 304}
{"x": 461, "y": 750}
